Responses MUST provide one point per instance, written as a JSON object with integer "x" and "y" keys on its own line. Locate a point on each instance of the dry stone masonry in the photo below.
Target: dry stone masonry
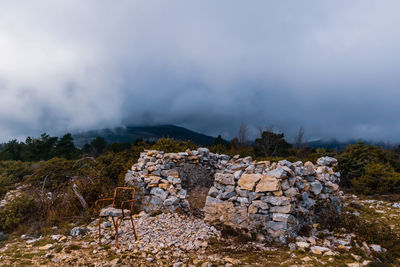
{"x": 272, "y": 201}
{"x": 269, "y": 200}
{"x": 157, "y": 174}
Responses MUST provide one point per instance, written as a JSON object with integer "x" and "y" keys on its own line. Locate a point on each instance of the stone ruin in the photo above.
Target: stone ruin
{"x": 272, "y": 201}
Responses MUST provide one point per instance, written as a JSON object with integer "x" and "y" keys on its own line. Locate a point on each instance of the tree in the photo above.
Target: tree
{"x": 299, "y": 138}
{"x": 219, "y": 141}
{"x": 242, "y": 135}
{"x": 272, "y": 144}
{"x": 98, "y": 145}
{"x": 220, "y": 146}
{"x": 118, "y": 147}
{"x": 65, "y": 147}
{"x": 13, "y": 150}
{"x": 40, "y": 148}
{"x": 300, "y": 144}
{"x": 86, "y": 149}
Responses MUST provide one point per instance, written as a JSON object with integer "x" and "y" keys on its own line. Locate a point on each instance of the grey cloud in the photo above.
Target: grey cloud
{"x": 329, "y": 66}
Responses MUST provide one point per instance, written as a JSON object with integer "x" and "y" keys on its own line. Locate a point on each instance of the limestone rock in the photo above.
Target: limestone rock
{"x": 327, "y": 161}
{"x": 170, "y": 172}
{"x": 159, "y": 192}
{"x": 171, "y": 201}
{"x": 267, "y": 184}
{"x": 260, "y": 204}
{"x": 253, "y": 209}
{"x": 163, "y": 186}
{"x": 78, "y": 231}
{"x": 225, "y": 178}
{"x": 308, "y": 171}
{"x": 248, "y": 181}
{"x": 278, "y": 173}
{"x": 46, "y": 247}
{"x": 213, "y": 192}
{"x": 316, "y": 187}
{"x": 302, "y": 244}
{"x": 376, "y": 248}
{"x": 281, "y": 209}
{"x": 281, "y": 217}
{"x": 277, "y": 201}
{"x": 203, "y": 151}
{"x": 291, "y": 192}
{"x": 319, "y": 250}
{"x": 115, "y": 212}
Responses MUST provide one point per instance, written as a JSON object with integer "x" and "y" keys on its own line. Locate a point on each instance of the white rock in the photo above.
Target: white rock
{"x": 318, "y": 250}
{"x": 302, "y": 244}
{"x": 376, "y": 248}
{"x": 396, "y": 205}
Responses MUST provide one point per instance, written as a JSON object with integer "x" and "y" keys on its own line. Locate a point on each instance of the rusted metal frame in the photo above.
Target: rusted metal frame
{"x": 115, "y": 222}
{"x": 123, "y": 188}
{"x": 123, "y": 204}
{"x": 133, "y": 227}
{"x": 116, "y": 229}
{"x": 96, "y": 204}
{"x": 99, "y": 230}
{"x": 130, "y": 215}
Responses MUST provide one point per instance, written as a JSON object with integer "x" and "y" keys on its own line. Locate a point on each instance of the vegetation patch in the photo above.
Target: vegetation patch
{"x": 16, "y": 212}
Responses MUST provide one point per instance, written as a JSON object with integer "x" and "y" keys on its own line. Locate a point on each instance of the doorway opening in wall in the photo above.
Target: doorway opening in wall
{"x": 197, "y": 181}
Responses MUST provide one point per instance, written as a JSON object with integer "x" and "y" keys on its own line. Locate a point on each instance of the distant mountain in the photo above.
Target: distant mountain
{"x": 148, "y": 133}
{"x": 341, "y": 145}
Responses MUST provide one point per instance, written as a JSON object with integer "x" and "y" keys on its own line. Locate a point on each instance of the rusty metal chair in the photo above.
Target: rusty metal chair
{"x": 117, "y": 209}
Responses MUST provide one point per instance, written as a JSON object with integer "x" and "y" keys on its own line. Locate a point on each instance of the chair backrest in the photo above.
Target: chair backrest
{"x": 123, "y": 194}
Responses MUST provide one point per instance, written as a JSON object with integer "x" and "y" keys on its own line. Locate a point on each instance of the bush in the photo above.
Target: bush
{"x": 221, "y": 149}
{"x": 53, "y": 175}
{"x": 370, "y": 232}
{"x": 12, "y": 172}
{"x": 377, "y": 179}
{"x": 314, "y": 154}
{"x": 16, "y": 212}
{"x": 355, "y": 158}
{"x": 170, "y": 145}
{"x": 94, "y": 178}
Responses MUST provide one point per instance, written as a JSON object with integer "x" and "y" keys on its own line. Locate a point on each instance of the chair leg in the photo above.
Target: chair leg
{"x": 116, "y": 229}
{"x": 133, "y": 227}
{"x": 99, "y": 230}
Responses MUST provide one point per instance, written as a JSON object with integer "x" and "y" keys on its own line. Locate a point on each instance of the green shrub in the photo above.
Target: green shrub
{"x": 170, "y": 145}
{"x": 53, "y": 174}
{"x": 221, "y": 149}
{"x": 355, "y": 158}
{"x": 377, "y": 179}
{"x": 16, "y": 212}
{"x": 94, "y": 177}
{"x": 314, "y": 154}
{"x": 370, "y": 232}
{"x": 12, "y": 172}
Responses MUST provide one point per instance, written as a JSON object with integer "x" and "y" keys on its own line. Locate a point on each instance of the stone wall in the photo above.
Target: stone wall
{"x": 274, "y": 200}
{"x": 157, "y": 175}
{"x": 269, "y": 200}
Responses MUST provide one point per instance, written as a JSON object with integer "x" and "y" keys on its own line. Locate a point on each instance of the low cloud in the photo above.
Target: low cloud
{"x": 73, "y": 66}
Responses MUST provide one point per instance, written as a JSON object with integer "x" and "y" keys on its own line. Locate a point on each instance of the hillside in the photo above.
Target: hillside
{"x": 148, "y": 133}
{"x": 341, "y": 145}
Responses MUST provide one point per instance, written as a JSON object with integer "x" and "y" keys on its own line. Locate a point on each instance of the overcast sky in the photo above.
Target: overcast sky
{"x": 329, "y": 66}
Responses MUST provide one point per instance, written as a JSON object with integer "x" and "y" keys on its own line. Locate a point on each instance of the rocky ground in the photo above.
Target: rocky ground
{"x": 180, "y": 240}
